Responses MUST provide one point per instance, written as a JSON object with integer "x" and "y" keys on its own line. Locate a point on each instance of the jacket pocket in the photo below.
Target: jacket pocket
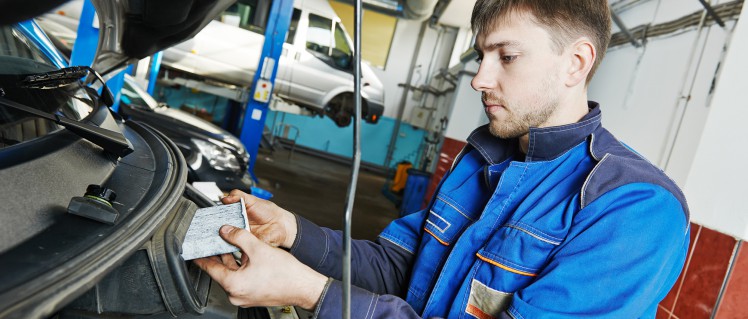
{"x": 446, "y": 221}
{"x": 443, "y": 225}
{"x": 514, "y": 256}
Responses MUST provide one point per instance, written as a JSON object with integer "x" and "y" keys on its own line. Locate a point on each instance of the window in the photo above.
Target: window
{"x": 291, "y": 35}
{"x": 377, "y": 32}
{"x": 318, "y": 38}
{"x": 248, "y": 14}
{"x": 14, "y": 44}
{"x": 341, "y": 54}
{"x": 20, "y": 57}
{"x": 136, "y": 97}
{"x": 341, "y": 41}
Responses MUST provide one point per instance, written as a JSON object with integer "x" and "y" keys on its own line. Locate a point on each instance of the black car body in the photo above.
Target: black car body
{"x": 55, "y": 263}
{"x": 212, "y": 154}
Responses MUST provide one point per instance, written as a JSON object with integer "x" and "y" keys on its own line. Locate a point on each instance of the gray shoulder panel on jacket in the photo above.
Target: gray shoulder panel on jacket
{"x": 617, "y": 166}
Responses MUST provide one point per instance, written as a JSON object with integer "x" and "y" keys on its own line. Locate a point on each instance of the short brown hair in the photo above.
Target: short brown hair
{"x": 565, "y": 20}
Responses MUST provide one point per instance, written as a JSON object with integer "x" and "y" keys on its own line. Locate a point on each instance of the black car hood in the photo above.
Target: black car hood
{"x": 135, "y": 29}
{"x": 131, "y": 29}
{"x": 12, "y": 11}
{"x": 196, "y": 127}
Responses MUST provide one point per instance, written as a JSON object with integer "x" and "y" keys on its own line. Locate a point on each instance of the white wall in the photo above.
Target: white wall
{"x": 644, "y": 93}
{"x": 398, "y": 63}
{"x": 467, "y": 111}
{"x": 717, "y": 180}
{"x": 666, "y": 108}
{"x": 400, "y": 58}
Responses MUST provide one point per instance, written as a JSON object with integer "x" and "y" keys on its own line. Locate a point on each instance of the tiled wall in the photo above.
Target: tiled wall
{"x": 714, "y": 281}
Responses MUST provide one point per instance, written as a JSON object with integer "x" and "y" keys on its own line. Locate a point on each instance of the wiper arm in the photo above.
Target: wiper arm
{"x": 110, "y": 141}
{"x": 63, "y": 77}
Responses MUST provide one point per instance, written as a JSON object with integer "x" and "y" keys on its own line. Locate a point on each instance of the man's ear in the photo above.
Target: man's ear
{"x": 583, "y": 55}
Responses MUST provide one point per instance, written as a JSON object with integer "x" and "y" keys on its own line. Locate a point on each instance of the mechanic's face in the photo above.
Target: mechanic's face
{"x": 519, "y": 76}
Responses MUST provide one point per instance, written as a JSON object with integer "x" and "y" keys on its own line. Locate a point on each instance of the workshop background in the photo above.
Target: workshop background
{"x": 674, "y": 91}
{"x": 672, "y": 86}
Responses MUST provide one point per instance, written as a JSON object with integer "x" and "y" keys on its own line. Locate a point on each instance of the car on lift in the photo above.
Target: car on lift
{"x": 212, "y": 153}
{"x": 315, "y": 69}
{"x": 94, "y": 207}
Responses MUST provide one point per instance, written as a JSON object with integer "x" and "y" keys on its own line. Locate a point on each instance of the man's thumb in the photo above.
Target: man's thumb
{"x": 238, "y": 237}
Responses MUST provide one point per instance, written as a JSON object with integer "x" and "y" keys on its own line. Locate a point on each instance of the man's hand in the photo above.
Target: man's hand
{"x": 267, "y": 276}
{"x": 270, "y": 223}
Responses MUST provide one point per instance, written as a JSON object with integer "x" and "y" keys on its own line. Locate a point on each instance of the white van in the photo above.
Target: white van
{"x": 314, "y": 71}
{"x": 315, "y": 67}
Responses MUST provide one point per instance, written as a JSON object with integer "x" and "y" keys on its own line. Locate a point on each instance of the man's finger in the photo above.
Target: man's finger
{"x": 245, "y": 259}
{"x": 251, "y": 200}
{"x": 234, "y": 197}
{"x": 239, "y": 237}
{"x": 236, "y": 193}
{"x": 214, "y": 268}
{"x": 229, "y": 261}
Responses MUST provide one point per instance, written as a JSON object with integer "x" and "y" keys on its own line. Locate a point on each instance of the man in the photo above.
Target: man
{"x": 544, "y": 215}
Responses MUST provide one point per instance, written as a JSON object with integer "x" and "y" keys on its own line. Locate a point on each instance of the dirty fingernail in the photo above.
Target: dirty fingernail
{"x": 225, "y": 229}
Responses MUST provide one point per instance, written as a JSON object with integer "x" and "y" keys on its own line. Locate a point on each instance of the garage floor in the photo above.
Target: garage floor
{"x": 316, "y": 188}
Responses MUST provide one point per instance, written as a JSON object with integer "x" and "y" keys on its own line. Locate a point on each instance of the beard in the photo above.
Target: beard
{"x": 518, "y": 118}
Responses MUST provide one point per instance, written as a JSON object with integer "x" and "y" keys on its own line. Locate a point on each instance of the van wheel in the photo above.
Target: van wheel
{"x": 340, "y": 109}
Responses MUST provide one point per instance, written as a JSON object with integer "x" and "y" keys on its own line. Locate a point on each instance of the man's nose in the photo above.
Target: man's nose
{"x": 485, "y": 79}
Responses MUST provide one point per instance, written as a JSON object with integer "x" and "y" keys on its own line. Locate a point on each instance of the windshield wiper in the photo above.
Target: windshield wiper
{"x": 63, "y": 77}
{"x": 110, "y": 141}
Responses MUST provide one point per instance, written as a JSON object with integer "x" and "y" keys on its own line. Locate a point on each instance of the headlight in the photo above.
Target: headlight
{"x": 219, "y": 157}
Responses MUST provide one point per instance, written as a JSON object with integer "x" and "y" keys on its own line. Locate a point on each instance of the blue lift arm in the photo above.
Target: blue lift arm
{"x": 84, "y": 50}
{"x": 153, "y": 73}
{"x": 262, "y": 85}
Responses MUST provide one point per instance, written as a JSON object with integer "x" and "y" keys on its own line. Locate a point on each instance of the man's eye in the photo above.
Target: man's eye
{"x": 508, "y": 58}
{"x": 479, "y": 60}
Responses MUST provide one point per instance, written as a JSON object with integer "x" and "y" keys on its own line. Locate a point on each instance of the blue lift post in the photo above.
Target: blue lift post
{"x": 153, "y": 73}
{"x": 279, "y": 19}
{"x": 84, "y": 49}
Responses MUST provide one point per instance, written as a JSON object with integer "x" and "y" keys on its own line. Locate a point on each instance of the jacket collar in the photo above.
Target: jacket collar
{"x": 545, "y": 143}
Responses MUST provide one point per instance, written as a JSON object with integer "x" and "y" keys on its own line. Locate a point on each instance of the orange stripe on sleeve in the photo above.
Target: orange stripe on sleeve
{"x": 497, "y": 264}
{"x": 437, "y": 238}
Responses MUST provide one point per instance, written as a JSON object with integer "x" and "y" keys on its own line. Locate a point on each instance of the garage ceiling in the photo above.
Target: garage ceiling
{"x": 458, "y": 13}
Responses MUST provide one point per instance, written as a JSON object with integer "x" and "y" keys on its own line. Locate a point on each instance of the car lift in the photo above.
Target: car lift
{"x": 262, "y": 85}
{"x": 153, "y": 73}
{"x": 84, "y": 50}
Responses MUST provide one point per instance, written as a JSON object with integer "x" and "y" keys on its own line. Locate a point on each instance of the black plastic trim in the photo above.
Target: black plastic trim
{"x": 180, "y": 292}
{"x": 50, "y": 143}
{"x": 47, "y": 293}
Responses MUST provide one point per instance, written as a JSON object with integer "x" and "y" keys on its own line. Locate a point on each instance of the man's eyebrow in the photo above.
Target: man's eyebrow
{"x": 498, "y": 45}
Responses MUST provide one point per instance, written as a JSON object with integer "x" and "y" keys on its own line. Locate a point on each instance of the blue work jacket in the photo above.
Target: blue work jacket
{"x": 579, "y": 227}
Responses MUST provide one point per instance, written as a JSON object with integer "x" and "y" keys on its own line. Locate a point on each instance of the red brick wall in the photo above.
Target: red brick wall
{"x": 450, "y": 149}
{"x": 716, "y": 265}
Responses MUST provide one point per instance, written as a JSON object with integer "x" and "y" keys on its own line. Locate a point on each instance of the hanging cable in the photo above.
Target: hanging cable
{"x": 726, "y": 11}
{"x": 712, "y": 13}
{"x": 356, "y": 163}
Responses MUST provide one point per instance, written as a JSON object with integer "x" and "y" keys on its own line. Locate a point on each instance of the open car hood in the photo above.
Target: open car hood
{"x": 134, "y": 29}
